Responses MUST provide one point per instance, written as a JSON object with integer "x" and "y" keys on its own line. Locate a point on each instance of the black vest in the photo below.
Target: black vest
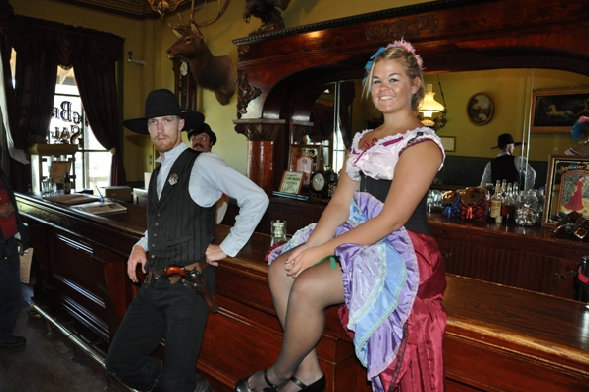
{"x": 179, "y": 230}
{"x": 380, "y": 190}
{"x": 503, "y": 167}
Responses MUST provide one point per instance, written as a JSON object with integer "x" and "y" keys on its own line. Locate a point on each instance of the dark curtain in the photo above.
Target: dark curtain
{"x": 98, "y": 80}
{"x": 41, "y": 46}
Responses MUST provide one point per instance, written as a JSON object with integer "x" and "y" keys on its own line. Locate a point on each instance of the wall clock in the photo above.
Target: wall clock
{"x": 480, "y": 108}
{"x": 184, "y": 84}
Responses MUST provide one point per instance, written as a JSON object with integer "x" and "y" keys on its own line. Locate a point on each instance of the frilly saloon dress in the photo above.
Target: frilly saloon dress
{"x": 394, "y": 288}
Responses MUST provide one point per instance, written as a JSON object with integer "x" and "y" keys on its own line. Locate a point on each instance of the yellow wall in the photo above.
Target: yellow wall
{"x": 148, "y": 40}
{"x": 511, "y": 92}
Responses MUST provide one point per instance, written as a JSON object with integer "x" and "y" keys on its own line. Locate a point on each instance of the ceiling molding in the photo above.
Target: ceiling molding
{"x": 131, "y": 8}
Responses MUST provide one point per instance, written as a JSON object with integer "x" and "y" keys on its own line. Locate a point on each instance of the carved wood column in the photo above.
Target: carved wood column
{"x": 265, "y": 147}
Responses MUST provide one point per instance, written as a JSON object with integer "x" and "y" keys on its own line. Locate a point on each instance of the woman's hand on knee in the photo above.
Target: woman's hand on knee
{"x": 296, "y": 264}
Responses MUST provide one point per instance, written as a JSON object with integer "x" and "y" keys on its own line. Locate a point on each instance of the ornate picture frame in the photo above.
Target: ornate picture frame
{"x": 556, "y": 110}
{"x": 480, "y": 108}
{"x": 567, "y": 188}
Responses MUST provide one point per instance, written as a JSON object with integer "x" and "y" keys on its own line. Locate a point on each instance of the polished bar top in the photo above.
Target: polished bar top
{"x": 537, "y": 323}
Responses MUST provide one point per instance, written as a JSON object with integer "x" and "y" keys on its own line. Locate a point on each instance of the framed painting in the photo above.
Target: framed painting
{"x": 556, "y": 110}
{"x": 449, "y": 143}
{"x": 567, "y": 188}
{"x": 480, "y": 109}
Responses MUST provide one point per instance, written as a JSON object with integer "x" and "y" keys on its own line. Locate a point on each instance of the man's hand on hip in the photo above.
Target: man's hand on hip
{"x": 214, "y": 253}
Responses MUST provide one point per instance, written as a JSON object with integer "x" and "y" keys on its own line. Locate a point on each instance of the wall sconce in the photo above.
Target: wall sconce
{"x": 429, "y": 106}
{"x": 132, "y": 60}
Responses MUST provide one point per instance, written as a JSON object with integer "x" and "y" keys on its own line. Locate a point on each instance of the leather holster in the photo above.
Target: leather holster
{"x": 191, "y": 276}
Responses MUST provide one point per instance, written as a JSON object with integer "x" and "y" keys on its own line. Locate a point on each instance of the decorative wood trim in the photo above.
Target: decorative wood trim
{"x": 246, "y": 93}
{"x": 260, "y": 128}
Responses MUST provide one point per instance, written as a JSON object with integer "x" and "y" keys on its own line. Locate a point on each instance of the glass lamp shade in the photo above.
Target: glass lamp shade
{"x": 429, "y": 104}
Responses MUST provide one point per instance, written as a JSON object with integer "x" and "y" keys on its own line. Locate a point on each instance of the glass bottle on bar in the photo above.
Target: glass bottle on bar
{"x": 67, "y": 184}
{"x": 508, "y": 205}
{"x": 496, "y": 202}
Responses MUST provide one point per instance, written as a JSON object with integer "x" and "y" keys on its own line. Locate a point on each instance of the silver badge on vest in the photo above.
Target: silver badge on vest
{"x": 172, "y": 179}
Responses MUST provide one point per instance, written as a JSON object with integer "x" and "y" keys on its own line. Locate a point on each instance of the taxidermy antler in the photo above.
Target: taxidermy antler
{"x": 164, "y": 6}
{"x": 267, "y": 12}
{"x": 216, "y": 73}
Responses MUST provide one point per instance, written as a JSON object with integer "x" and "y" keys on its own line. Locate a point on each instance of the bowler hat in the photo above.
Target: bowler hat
{"x": 504, "y": 139}
{"x": 203, "y": 127}
{"x": 161, "y": 102}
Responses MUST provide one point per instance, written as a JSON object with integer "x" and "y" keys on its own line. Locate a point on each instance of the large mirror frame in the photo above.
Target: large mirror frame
{"x": 277, "y": 70}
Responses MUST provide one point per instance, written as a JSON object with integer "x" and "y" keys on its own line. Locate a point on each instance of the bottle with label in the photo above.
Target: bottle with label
{"x": 496, "y": 202}
{"x": 67, "y": 184}
{"x": 508, "y": 207}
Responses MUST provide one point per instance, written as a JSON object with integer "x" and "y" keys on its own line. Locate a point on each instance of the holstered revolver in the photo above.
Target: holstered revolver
{"x": 191, "y": 277}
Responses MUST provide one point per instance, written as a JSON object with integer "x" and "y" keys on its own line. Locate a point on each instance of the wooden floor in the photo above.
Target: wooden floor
{"x": 49, "y": 362}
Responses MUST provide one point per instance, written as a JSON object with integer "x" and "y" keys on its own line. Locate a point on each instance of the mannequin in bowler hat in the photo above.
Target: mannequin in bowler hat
{"x": 509, "y": 167}
{"x": 180, "y": 229}
{"x": 202, "y": 138}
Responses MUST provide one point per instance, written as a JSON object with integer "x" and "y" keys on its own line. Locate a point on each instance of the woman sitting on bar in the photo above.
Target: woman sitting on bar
{"x": 371, "y": 250}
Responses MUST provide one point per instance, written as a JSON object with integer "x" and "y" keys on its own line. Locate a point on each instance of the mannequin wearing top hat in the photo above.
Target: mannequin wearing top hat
{"x": 202, "y": 138}
{"x": 180, "y": 229}
{"x": 509, "y": 167}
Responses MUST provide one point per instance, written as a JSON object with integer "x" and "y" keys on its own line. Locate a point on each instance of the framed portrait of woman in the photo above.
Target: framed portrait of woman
{"x": 567, "y": 188}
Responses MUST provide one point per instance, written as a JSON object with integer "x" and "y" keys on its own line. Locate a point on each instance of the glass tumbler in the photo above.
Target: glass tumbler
{"x": 277, "y": 231}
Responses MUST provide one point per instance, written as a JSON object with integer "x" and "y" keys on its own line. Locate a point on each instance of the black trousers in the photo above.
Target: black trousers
{"x": 11, "y": 298}
{"x": 165, "y": 312}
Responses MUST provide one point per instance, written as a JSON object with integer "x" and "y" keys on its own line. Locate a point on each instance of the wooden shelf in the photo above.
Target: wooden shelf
{"x": 52, "y": 149}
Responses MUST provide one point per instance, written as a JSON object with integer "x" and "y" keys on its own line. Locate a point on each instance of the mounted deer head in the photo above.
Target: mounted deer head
{"x": 216, "y": 73}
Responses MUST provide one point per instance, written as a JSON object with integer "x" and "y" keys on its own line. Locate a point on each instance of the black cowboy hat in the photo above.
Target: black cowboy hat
{"x": 504, "y": 139}
{"x": 159, "y": 103}
{"x": 203, "y": 127}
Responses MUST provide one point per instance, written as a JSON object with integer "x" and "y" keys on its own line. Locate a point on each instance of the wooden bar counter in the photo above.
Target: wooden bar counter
{"x": 497, "y": 337}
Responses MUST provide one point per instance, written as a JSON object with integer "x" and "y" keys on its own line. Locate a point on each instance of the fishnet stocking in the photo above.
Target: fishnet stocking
{"x": 300, "y": 306}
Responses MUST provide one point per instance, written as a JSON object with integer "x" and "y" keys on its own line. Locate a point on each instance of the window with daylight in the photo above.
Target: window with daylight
{"x": 70, "y": 125}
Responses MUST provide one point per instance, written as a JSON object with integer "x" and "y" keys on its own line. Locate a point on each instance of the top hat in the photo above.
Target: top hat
{"x": 504, "y": 139}
{"x": 159, "y": 103}
{"x": 203, "y": 127}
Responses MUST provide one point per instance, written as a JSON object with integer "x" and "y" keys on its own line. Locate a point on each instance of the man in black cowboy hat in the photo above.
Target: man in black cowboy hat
{"x": 509, "y": 167}
{"x": 180, "y": 227}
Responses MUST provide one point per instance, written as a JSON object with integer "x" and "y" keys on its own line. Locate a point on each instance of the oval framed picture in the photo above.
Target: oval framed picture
{"x": 480, "y": 109}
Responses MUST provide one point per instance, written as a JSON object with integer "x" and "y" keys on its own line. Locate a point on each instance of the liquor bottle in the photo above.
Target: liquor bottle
{"x": 508, "y": 206}
{"x": 67, "y": 184}
{"x": 496, "y": 202}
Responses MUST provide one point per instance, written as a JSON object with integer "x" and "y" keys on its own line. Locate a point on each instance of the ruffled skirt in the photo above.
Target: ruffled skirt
{"x": 393, "y": 294}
